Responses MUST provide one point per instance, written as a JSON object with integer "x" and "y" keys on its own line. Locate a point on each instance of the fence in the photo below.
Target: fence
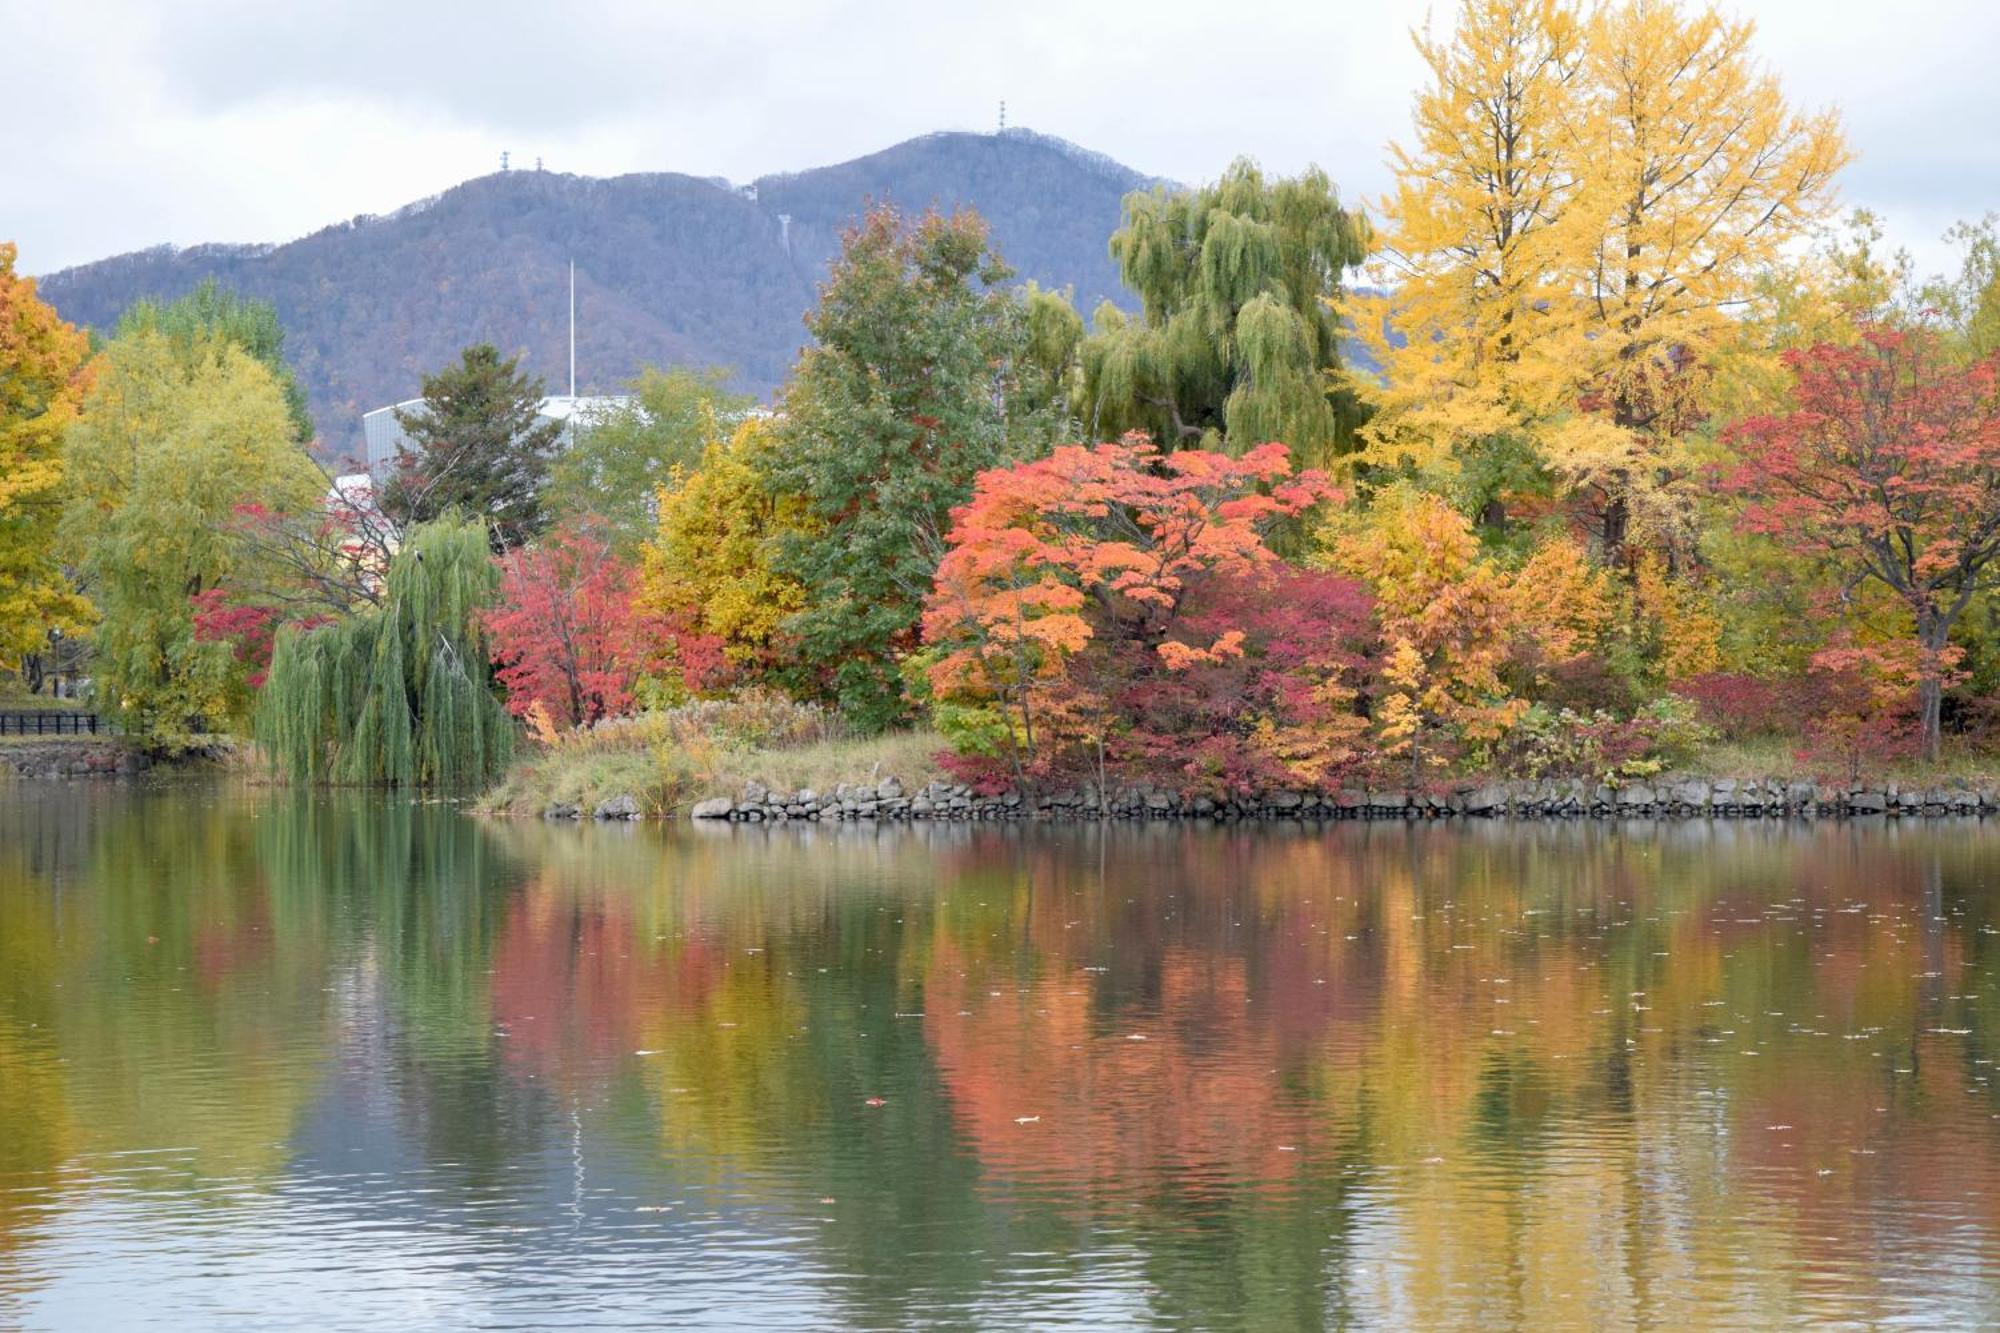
{"x": 51, "y": 722}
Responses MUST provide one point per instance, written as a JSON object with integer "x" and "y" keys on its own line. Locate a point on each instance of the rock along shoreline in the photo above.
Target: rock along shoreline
{"x": 1661, "y": 798}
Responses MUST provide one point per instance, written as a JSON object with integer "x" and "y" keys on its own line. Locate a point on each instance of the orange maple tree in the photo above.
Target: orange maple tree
{"x": 1112, "y": 601}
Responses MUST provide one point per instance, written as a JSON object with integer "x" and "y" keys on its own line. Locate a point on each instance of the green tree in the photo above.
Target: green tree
{"x": 398, "y": 696}
{"x": 481, "y": 448}
{"x": 926, "y": 371}
{"x": 1968, "y": 304}
{"x": 621, "y": 459}
{"x": 212, "y": 315}
{"x": 173, "y": 438}
{"x": 1239, "y": 337}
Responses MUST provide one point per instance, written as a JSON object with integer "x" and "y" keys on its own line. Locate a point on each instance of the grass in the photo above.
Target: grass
{"x": 668, "y": 761}
{"x": 1777, "y": 757}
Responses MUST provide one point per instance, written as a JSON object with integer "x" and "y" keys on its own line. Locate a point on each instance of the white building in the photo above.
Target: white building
{"x": 386, "y": 436}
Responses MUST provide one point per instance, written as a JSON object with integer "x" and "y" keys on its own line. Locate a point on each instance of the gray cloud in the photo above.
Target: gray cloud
{"x": 134, "y": 122}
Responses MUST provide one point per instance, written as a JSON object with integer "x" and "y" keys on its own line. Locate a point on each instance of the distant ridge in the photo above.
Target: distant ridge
{"x": 670, "y": 268}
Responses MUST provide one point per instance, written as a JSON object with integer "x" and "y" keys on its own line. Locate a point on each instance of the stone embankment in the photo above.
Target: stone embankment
{"x": 72, "y": 759}
{"x": 1661, "y": 798}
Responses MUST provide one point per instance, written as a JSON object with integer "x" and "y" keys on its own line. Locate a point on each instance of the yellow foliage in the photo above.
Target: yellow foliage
{"x": 1585, "y": 215}
{"x": 1445, "y": 615}
{"x": 1459, "y": 627}
{"x": 41, "y": 383}
{"x": 1674, "y": 623}
{"x": 708, "y": 572}
{"x": 1473, "y": 233}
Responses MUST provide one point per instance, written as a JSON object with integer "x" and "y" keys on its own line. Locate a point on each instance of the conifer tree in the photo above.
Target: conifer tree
{"x": 481, "y": 448}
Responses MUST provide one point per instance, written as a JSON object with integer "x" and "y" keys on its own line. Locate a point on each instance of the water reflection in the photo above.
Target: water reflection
{"x": 352, "y": 1063}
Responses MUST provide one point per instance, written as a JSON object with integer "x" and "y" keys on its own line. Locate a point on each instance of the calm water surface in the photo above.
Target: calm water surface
{"x": 275, "y": 1062}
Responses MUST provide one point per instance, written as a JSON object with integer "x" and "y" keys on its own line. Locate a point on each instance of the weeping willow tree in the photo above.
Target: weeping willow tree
{"x": 1240, "y": 331}
{"x": 397, "y": 696}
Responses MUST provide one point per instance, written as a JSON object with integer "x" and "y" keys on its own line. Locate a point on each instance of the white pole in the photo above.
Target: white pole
{"x": 572, "y": 328}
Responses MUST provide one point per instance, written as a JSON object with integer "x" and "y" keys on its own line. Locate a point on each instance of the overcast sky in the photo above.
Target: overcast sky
{"x": 131, "y": 123}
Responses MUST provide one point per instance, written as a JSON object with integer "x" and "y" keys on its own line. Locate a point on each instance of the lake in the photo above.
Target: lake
{"x": 348, "y": 1062}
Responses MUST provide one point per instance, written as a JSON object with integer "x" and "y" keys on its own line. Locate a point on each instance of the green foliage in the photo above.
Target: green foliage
{"x": 1968, "y": 302}
{"x": 211, "y": 316}
{"x": 398, "y": 696}
{"x": 1239, "y": 339}
{"x": 481, "y": 448}
{"x": 173, "y": 436}
{"x": 620, "y": 460}
{"x": 925, "y": 372}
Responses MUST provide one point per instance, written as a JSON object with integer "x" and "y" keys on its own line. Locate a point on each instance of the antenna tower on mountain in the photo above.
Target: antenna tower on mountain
{"x": 503, "y": 159}
{"x": 1003, "y": 115}
{"x": 572, "y": 330}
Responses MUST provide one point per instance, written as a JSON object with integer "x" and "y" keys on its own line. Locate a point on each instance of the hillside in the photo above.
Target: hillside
{"x": 669, "y": 268}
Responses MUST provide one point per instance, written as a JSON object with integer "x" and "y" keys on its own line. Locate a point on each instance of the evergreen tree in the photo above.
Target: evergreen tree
{"x": 1240, "y": 332}
{"x": 398, "y": 696}
{"x": 926, "y": 371}
{"x": 212, "y": 315}
{"x": 481, "y": 448}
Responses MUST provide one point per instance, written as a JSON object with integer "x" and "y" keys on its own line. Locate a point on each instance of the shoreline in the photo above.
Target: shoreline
{"x": 1665, "y": 797}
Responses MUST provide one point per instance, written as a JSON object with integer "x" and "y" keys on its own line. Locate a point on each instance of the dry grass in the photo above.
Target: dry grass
{"x": 668, "y": 760}
{"x": 1777, "y": 757}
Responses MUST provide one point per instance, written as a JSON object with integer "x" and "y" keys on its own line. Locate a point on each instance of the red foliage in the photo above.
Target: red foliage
{"x": 248, "y": 628}
{"x": 1741, "y": 706}
{"x": 1121, "y": 609}
{"x": 565, "y": 634}
{"x": 1862, "y": 709}
{"x": 1890, "y": 465}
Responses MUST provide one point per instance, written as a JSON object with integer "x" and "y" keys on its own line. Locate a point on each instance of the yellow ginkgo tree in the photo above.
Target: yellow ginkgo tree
{"x": 1589, "y": 204}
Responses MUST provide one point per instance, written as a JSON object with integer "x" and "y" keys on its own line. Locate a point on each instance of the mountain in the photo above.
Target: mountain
{"x": 669, "y": 268}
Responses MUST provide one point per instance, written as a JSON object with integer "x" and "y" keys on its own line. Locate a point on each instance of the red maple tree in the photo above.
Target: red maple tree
{"x": 1888, "y": 465}
{"x": 1111, "y": 602}
{"x": 565, "y": 634}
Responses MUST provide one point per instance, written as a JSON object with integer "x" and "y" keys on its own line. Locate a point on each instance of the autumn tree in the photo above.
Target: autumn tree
{"x": 1700, "y": 173}
{"x": 172, "y": 439}
{"x": 1469, "y": 243}
{"x": 714, "y": 600}
{"x": 1462, "y": 635}
{"x": 1623, "y": 179}
{"x": 1241, "y": 285}
{"x": 563, "y": 630}
{"x": 1121, "y": 610}
{"x": 213, "y": 315}
{"x": 478, "y": 446}
{"x": 41, "y": 383}
{"x": 922, "y": 374}
{"x": 621, "y": 457}
{"x": 1889, "y": 465}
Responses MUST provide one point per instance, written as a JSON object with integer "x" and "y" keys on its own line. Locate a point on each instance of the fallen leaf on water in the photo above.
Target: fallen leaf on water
{"x": 1027, "y": 1120}
{"x": 876, "y": 1101}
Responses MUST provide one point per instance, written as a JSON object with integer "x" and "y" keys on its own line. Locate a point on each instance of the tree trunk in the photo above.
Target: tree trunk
{"x": 1616, "y": 527}
{"x": 1933, "y": 633}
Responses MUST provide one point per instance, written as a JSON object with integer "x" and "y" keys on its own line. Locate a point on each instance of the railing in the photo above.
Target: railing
{"x": 51, "y": 722}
